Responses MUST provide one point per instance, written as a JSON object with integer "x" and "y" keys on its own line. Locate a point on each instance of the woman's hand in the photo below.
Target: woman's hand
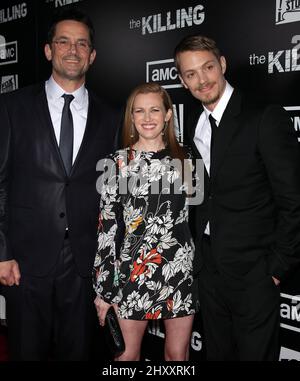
{"x": 101, "y": 307}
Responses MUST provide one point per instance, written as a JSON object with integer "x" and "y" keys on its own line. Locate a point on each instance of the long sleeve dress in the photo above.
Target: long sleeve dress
{"x": 151, "y": 275}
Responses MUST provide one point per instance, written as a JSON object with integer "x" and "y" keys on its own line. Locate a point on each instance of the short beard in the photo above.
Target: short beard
{"x": 71, "y": 76}
{"x": 74, "y": 77}
{"x": 211, "y": 100}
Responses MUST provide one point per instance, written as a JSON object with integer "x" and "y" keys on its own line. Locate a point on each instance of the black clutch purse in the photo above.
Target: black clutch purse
{"x": 113, "y": 334}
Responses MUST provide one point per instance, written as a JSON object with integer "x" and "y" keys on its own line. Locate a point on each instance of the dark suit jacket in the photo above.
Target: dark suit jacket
{"x": 36, "y": 195}
{"x": 252, "y": 197}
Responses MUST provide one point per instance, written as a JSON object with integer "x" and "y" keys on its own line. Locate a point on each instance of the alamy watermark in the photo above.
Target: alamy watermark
{"x": 144, "y": 177}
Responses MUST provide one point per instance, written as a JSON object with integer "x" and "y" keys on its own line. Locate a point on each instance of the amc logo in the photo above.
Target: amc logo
{"x": 163, "y": 72}
{"x": 290, "y": 312}
{"x": 8, "y": 52}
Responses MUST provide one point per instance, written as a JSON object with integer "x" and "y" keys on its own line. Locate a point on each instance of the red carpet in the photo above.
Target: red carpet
{"x": 3, "y": 345}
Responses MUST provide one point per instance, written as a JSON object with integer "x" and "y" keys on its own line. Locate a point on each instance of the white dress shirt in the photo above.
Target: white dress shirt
{"x": 78, "y": 106}
{"x": 203, "y": 130}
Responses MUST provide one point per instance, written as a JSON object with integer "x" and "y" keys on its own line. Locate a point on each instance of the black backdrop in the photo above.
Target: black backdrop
{"x": 135, "y": 42}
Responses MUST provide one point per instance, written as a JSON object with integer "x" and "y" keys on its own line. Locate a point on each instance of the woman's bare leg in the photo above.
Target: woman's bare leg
{"x": 133, "y": 332}
{"x": 178, "y": 336}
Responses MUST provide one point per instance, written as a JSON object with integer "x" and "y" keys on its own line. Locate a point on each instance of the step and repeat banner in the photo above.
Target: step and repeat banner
{"x": 135, "y": 42}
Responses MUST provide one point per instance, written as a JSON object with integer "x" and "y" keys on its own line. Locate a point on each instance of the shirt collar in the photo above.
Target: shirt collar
{"x": 218, "y": 111}
{"x": 55, "y": 92}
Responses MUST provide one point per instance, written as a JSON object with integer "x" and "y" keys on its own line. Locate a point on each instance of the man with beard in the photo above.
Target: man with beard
{"x": 52, "y": 135}
{"x": 248, "y": 227}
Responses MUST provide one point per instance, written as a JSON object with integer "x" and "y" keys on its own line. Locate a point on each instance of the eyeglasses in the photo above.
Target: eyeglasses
{"x": 65, "y": 45}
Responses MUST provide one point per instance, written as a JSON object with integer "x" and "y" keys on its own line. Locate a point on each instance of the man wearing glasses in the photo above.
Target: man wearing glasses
{"x": 51, "y": 137}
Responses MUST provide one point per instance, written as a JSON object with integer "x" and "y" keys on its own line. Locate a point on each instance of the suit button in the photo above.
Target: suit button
{"x": 210, "y": 196}
{"x": 62, "y": 215}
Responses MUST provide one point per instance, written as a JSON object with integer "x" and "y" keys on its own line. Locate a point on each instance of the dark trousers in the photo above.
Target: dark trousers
{"x": 51, "y": 317}
{"x": 241, "y": 322}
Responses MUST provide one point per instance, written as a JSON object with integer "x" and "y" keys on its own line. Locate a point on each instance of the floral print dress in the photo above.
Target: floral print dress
{"x": 150, "y": 276}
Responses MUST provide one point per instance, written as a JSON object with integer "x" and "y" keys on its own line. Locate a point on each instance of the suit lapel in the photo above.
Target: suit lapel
{"x": 92, "y": 124}
{"x": 226, "y": 130}
{"x": 43, "y": 113}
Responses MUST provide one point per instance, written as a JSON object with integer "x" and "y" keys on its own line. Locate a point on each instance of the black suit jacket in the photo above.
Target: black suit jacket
{"x": 36, "y": 195}
{"x": 252, "y": 196}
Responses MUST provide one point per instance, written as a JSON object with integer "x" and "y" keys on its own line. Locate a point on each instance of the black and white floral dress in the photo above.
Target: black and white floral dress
{"x": 152, "y": 275}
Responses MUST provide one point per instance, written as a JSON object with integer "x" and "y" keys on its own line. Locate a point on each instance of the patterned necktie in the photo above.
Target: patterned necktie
{"x": 67, "y": 134}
